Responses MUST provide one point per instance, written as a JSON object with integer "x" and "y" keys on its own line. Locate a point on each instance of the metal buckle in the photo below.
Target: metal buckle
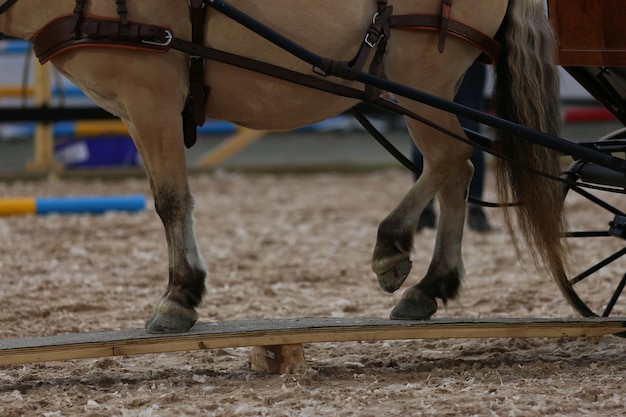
{"x": 368, "y": 43}
{"x": 167, "y": 42}
{"x": 367, "y": 35}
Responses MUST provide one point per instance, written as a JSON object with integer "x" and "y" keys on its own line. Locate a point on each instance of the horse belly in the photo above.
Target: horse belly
{"x": 261, "y": 102}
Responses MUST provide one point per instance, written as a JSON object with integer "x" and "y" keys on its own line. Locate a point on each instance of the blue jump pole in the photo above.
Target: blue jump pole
{"x": 89, "y": 205}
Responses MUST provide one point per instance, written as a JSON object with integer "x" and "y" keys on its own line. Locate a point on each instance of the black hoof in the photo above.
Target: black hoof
{"x": 414, "y": 305}
{"x": 393, "y": 279}
{"x": 477, "y": 220}
{"x": 171, "y": 317}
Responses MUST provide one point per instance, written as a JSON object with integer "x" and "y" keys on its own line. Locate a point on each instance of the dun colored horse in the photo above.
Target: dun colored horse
{"x": 148, "y": 91}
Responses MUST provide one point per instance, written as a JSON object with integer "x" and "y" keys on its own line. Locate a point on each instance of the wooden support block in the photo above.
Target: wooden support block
{"x": 277, "y": 359}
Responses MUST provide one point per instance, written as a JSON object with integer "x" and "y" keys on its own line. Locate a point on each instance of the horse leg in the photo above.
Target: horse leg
{"x": 445, "y": 272}
{"x": 161, "y": 148}
{"x": 447, "y": 172}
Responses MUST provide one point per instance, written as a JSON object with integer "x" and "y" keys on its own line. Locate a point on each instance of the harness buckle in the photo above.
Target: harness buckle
{"x": 370, "y": 43}
{"x": 367, "y": 41}
{"x": 166, "y": 42}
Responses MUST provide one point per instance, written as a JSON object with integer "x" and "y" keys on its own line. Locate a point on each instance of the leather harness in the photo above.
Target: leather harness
{"x": 78, "y": 30}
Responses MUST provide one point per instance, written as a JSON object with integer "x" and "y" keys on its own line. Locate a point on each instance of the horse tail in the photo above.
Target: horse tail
{"x": 527, "y": 92}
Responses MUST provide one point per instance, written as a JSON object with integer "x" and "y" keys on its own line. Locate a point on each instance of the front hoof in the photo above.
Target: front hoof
{"x": 414, "y": 305}
{"x": 171, "y": 317}
{"x": 393, "y": 279}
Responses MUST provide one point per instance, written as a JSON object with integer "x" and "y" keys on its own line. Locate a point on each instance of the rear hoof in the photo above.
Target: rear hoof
{"x": 393, "y": 279}
{"x": 414, "y": 305}
{"x": 171, "y": 317}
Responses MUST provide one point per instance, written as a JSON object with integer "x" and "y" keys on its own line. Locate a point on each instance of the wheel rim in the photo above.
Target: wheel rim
{"x": 598, "y": 272}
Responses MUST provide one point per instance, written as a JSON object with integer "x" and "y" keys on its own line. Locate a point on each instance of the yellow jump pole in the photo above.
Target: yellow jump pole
{"x": 86, "y": 129}
{"x": 15, "y": 91}
{"x": 17, "y": 206}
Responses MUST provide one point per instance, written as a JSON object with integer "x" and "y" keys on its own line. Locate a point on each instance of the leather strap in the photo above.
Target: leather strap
{"x": 122, "y": 11}
{"x": 266, "y": 69}
{"x": 446, "y": 7}
{"x": 7, "y": 5}
{"x": 60, "y": 34}
{"x": 78, "y": 13}
{"x": 376, "y": 38}
{"x": 378, "y": 30}
{"x": 194, "y": 113}
{"x": 428, "y": 22}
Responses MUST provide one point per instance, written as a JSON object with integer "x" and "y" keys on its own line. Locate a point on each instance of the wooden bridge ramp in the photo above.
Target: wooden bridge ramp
{"x": 278, "y": 342}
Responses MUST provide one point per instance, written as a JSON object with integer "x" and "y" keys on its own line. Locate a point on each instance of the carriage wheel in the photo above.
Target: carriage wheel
{"x": 597, "y": 242}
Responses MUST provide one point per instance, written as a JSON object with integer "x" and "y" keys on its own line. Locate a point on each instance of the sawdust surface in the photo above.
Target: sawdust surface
{"x": 291, "y": 246}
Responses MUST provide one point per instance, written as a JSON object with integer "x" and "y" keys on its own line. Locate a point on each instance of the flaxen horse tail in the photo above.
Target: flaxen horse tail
{"x": 527, "y": 92}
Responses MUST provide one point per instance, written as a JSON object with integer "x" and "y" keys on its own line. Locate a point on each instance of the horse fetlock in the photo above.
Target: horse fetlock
{"x": 445, "y": 285}
{"x": 414, "y": 305}
{"x": 171, "y": 317}
{"x": 187, "y": 285}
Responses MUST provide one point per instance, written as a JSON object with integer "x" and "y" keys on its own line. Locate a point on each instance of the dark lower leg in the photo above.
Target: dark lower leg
{"x": 175, "y": 310}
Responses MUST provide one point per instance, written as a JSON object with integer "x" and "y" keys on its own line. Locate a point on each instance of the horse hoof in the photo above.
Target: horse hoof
{"x": 170, "y": 317}
{"x": 414, "y": 305}
{"x": 393, "y": 279}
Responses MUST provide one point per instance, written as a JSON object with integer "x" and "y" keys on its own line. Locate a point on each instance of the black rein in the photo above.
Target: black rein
{"x": 7, "y": 5}
{"x": 3, "y": 9}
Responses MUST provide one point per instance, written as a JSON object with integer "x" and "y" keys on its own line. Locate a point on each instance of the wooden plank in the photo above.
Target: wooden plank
{"x": 265, "y": 332}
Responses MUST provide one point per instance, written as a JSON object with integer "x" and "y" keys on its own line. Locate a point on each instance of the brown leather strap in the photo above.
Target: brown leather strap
{"x": 375, "y": 38}
{"x": 266, "y": 69}
{"x": 59, "y": 35}
{"x": 446, "y": 8}
{"x": 77, "y": 14}
{"x": 194, "y": 113}
{"x": 378, "y": 30}
{"x": 429, "y": 22}
{"x": 122, "y": 11}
